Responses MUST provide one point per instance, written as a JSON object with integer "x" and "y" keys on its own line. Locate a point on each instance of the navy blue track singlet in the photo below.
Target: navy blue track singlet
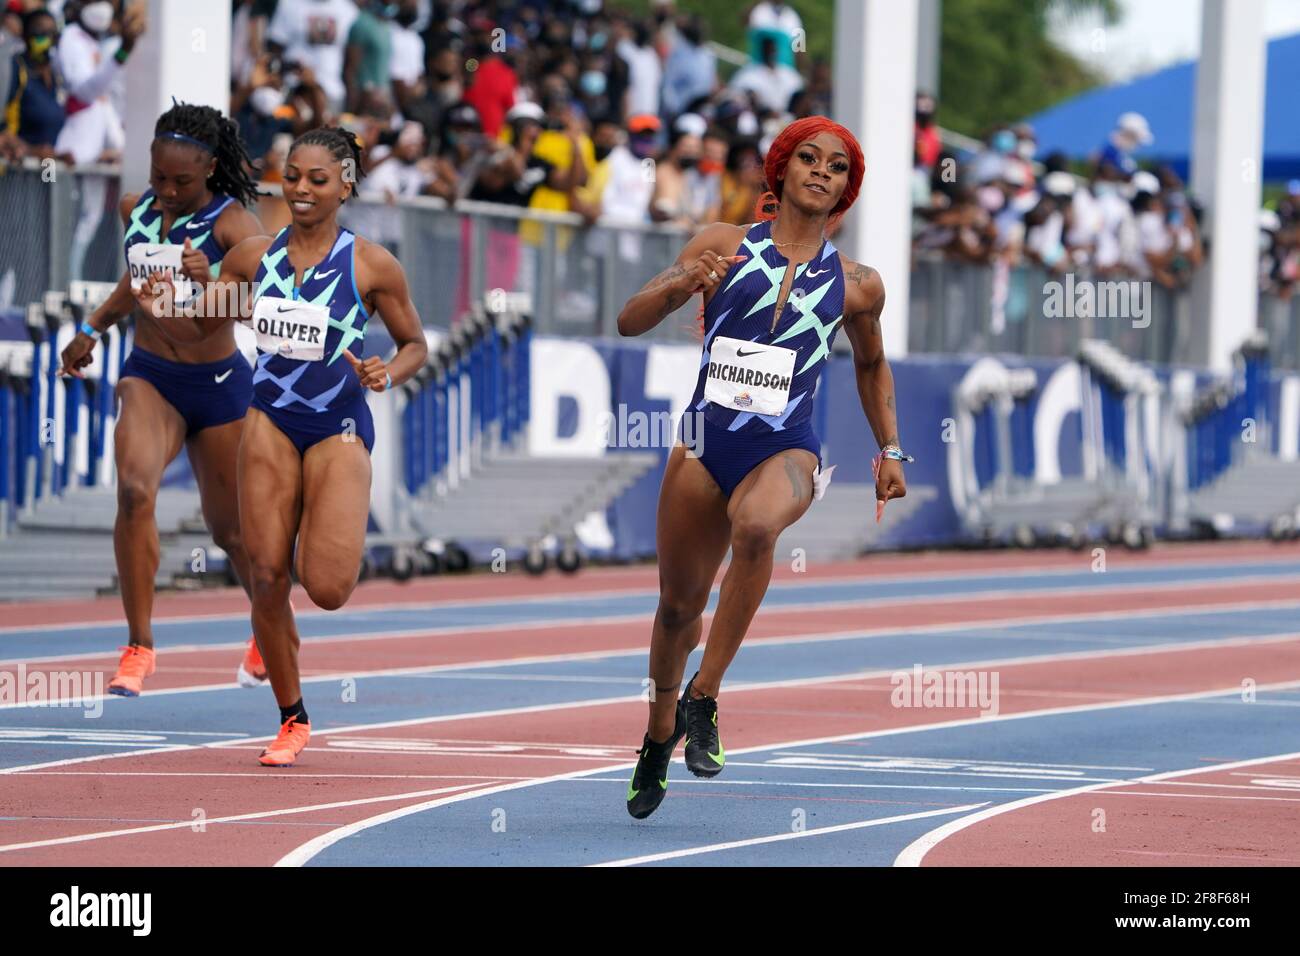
{"x": 329, "y": 384}
{"x": 199, "y": 227}
{"x": 742, "y": 308}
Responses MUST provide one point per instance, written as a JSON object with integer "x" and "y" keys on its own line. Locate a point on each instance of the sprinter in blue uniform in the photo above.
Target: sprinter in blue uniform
{"x": 191, "y": 391}
{"x": 747, "y": 465}
{"x": 304, "y": 462}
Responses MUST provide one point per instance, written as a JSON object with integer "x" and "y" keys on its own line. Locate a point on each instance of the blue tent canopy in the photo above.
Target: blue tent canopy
{"x": 1079, "y": 126}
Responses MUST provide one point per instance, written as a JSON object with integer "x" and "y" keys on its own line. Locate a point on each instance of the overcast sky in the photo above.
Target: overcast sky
{"x": 1155, "y": 33}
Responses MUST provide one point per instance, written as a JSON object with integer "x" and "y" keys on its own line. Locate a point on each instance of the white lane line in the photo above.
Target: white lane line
{"x": 235, "y": 818}
{"x": 794, "y": 682}
{"x": 1199, "y": 796}
{"x": 961, "y": 761}
{"x": 956, "y": 629}
{"x": 780, "y": 837}
{"x": 312, "y": 848}
{"x": 279, "y": 778}
{"x": 938, "y": 577}
{"x": 915, "y": 852}
{"x": 874, "y": 604}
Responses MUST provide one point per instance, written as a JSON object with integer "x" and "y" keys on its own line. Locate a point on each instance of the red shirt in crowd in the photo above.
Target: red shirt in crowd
{"x": 493, "y": 93}
{"x": 928, "y": 145}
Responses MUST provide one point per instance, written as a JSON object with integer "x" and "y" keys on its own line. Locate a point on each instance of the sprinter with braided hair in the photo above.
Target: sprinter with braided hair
{"x": 173, "y": 391}
{"x": 775, "y": 293}
{"x": 304, "y": 463}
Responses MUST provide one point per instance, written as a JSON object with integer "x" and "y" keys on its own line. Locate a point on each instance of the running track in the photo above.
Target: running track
{"x": 1144, "y": 716}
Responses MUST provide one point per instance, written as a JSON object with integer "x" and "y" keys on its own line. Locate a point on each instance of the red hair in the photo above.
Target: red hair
{"x": 783, "y": 147}
{"x": 778, "y": 157}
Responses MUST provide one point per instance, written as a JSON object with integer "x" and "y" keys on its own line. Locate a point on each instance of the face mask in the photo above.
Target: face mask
{"x": 1026, "y": 149}
{"x": 688, "y": 162}
{"x": 710, "y": 166}
{"x": 1106, "y": 189}
{"x": 602, "y": 152}
{"x": 404, "y": 18}
{"x": 39, "y": 47}
{"x": 990, "y": 198}
{"x": 265, "y": 100}
{"x": 642, "y": 148}
{"x": 97, "y": 17}
{"x": 1004, "y": 142}
{"x": 593, "y": 83}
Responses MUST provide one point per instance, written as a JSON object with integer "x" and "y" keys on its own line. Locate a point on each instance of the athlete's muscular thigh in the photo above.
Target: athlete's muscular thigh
{"x": 691, "y": 535}
{"x": 771, "y": 498}
{"x": 270, "y": 499}
{"x": 336, "y": 510}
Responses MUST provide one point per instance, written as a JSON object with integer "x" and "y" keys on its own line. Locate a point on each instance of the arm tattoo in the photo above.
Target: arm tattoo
{"x": 671, "y": 299}
{"x": 859, "y": 273}
{"x": 889, "y": 403}
{"x": 667, "y": 277}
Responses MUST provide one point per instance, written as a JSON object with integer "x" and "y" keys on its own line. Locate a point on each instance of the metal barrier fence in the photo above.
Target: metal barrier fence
{"x": 577, "y": 276}
{"x": 58, "y": 224}
{"x": 62, "y": 225}
{"x": 964, "y": 307}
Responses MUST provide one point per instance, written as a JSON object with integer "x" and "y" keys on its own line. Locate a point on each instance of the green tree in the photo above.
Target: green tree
{"x": 997, "y": 63}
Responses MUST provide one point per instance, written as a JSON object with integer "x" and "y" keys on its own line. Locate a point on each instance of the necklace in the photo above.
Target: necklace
{"x": 787, "y": 242}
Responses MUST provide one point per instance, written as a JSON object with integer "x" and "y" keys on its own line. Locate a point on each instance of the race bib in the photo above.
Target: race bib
{"x": 293, "y": 329}
{"x": 749, "y": 376}
{"x": 147, "y": 259}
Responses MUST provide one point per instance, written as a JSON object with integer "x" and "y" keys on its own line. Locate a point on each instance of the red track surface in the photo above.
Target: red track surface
{"x": 598, "y": 580}
{"x": 1241, "y": 817}
{"x": 330, "y": 775}
{"x": 114, "y": 794}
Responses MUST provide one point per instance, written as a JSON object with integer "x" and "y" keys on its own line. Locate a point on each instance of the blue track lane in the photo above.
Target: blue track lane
{"x": 31, "y": 735}
{"x": 231, "y": 629}
{"x": 762, "y": 793}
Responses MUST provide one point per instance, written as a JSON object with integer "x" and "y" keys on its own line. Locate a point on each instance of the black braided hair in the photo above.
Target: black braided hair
{"x": 221, "y": 136}
{"x": 342, "y": 144}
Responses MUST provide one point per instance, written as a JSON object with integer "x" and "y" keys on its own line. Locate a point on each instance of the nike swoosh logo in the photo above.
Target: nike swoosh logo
{"x": 630, "y": 792}
{"x": 322, "y": 275}
{"x": 223, "y": 376}
{"x": 196, "y": 225}
{"x": 281, "y": 311}
{"x": 150, "y": 255}
{"x": 741, "y": 354}
{"x": 813, "y": 275}
{"x": 720, "y": 757}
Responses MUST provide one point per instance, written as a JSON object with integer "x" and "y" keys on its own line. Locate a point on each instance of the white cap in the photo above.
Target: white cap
{"x": 1013, "y": 172}
{"x": 1135, "y": 124}
{"x": 525, "y": 110}
{"x": 1059, "y": 183}
{"x": 1269, "y": 221}
{"x": 692, "y": 124}
{"x": 1145, "y": 182}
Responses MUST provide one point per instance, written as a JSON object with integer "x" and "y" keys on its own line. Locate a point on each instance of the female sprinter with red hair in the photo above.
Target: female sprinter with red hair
{"x": 747, "y": 462}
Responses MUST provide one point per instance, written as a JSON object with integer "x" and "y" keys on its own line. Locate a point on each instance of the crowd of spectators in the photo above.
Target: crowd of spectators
{"x": 560, "y": 105}
{"x": 1000, "y": 206}
{"x": 582, "y": 106}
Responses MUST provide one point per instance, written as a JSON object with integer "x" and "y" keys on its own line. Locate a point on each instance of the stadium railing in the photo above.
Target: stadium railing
{"x": 65, "y": 227}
